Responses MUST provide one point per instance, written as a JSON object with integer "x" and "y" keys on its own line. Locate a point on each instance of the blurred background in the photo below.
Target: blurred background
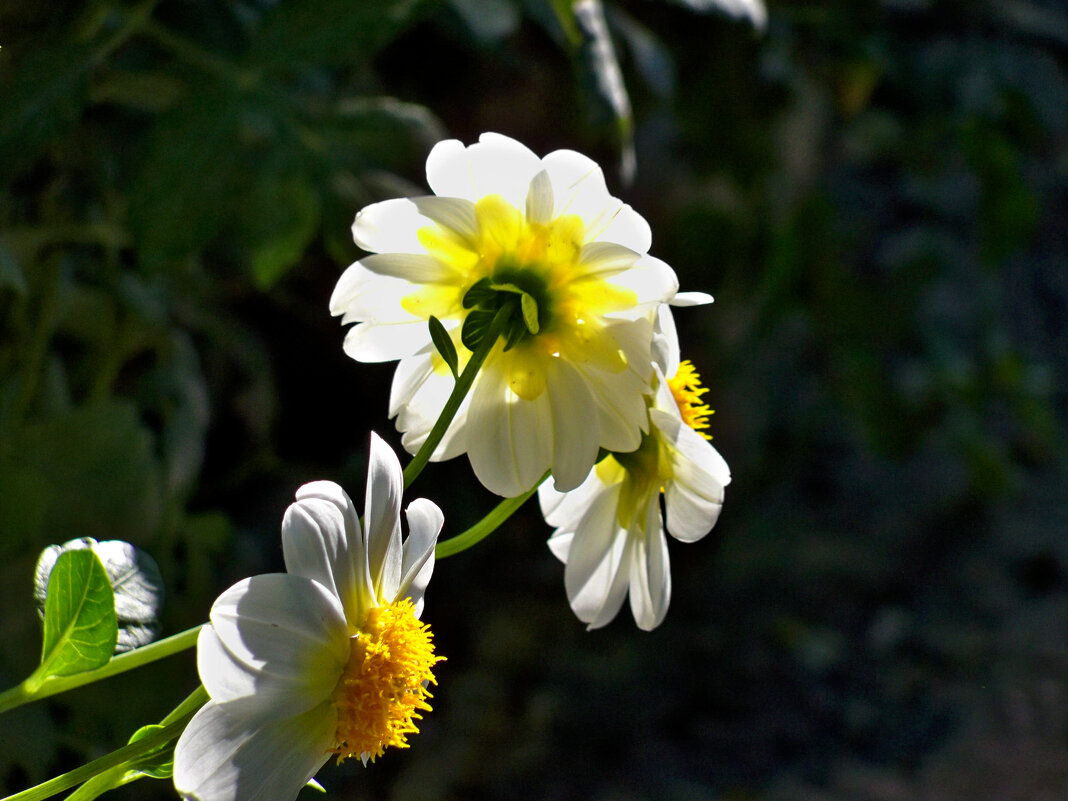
{"x": 873, "y": 190}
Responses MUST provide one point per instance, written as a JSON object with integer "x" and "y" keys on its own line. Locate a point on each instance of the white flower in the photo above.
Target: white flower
{"x": 329, "y": 658}
{"x": 505, "y": 226}
{"x": 610, "y": 531}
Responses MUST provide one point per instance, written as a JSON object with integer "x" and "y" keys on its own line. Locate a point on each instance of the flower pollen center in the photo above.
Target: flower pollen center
{"x": 384, "y": 686}
{"x": 687, "y": 390}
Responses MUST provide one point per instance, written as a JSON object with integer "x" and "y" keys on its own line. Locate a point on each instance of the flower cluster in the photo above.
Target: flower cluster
{"x": 534, "y": 333}
{"x": 587, "y": 361}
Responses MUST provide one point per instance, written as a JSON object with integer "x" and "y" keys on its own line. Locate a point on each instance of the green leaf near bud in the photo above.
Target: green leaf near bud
{"x": 135, "y": 581}
{"x": 80, "y": 627}
{"x": 443, "y": 342}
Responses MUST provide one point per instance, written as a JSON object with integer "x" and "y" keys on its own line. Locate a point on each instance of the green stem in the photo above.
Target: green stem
{"x": 173, "y": 725}
{"x": 459, "y": 391}
{"x": 487, "y": 525}
{"x": 26, "y": 692}
{"x": 102, "y": 782}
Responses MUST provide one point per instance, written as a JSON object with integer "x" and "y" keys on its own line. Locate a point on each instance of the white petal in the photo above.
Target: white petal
{"x": 283, "y": 641}
{"x": 666, "y": 352}
{"x": 417, "y": 396}
{"x": 391, "y": 226}
{"x": 381, "y": 518}
{"x": 509, "y": 449}
{"x": 539, "y": 201}
{"x": 221, "y": 757}
{"x": 619, "y": 397}
{"x": 598, "y": 566}
{"x": 694, "y": 495}
{"x": 424, "y": 525}
{"x": 494, "y": 165}
{"x": 579, "y": 188}
{"x": 565, "y": 509}
{"x": 691, "y": 299}
{"x": 419, "y": 268}
{"x": 322, "y": 540}
{"x": 575, "y": 438}
{"x": 453, "y": 213}
{"x": 651, "y": 279}
{"x": 628, "y": 228}
{"x": 690, "y": 515}
{"x": 447, "y": 171}
{"x": 385, "y": 342}
{"x": 694, "y": 452}
{"x": 605, "y": 259}
{"x": 363, "y": 295}
{"x": 650, "y": 573}
{"x": 560, "y": 544}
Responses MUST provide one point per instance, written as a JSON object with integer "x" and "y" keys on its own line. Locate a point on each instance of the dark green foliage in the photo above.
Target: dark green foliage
{"x": 875, "y": 194}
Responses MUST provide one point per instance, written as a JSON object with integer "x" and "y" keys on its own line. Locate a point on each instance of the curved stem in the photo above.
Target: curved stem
{"x": 487, "y": 525}
{"x": 22, "y": 694}
{"x": 173, "y": 725}
{"x": 459, "y": 391}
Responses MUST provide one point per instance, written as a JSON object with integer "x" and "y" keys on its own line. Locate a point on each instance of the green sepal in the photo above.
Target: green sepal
{"x": 530, "y": 312}
{"x": 475, "y": 326}
{"x": 80, "y": 626}
{"x": 443, "y": 342}
{"x": 482, "y": 291}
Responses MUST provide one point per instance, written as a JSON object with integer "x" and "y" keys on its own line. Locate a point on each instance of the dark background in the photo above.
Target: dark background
{"x": 873, "y": 191}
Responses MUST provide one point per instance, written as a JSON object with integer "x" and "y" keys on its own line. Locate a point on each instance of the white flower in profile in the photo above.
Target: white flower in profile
{"x": 544, "y": 239}
{"x": 327, "y": 659}
{"x": 610, "y": 530}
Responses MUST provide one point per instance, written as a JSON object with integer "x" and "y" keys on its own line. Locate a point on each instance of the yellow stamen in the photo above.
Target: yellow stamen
{"x": 687, "y": 391}
{"x": 384, "y": 686}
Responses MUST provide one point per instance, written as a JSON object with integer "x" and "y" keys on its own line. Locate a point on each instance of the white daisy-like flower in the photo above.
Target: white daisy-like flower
{"x": 543, "y": 238}
{"x": 329, "y": 658}
{"x": 610, "y": 530}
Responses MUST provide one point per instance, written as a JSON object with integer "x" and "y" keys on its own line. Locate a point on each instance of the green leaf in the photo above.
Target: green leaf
{"x": 135, "y": 581}
{"x": 190, "y": 183}
{"x": 91, "y": 469}
{"x": 603, "y": 78}
{"x": 530, "y": 312}
{"x": 159, "y": 762}
{"x": 443, "y": 343}
{"x": 80, "y": 628}
{"x": 46, "y": 96}
{"x": 489, "y": 21}
{"x": 11, "y": 274}
{"x": 328, "y": 32}
{"x": 279, "y": 220}
{"x": 752, "y": 10}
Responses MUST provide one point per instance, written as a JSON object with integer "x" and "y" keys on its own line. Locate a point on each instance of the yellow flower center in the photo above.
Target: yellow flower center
{"x": 383, "y": 689}
{"x": 557, "y": 301}
{"x": 687, "y": 391}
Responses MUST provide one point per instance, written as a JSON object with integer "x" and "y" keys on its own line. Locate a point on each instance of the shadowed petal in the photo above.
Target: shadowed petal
{"x": 381, "y": 517}
{"x": 221, "y": 757}
{"x": 289, "y": 631}
{"x": 424, "y": 525}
